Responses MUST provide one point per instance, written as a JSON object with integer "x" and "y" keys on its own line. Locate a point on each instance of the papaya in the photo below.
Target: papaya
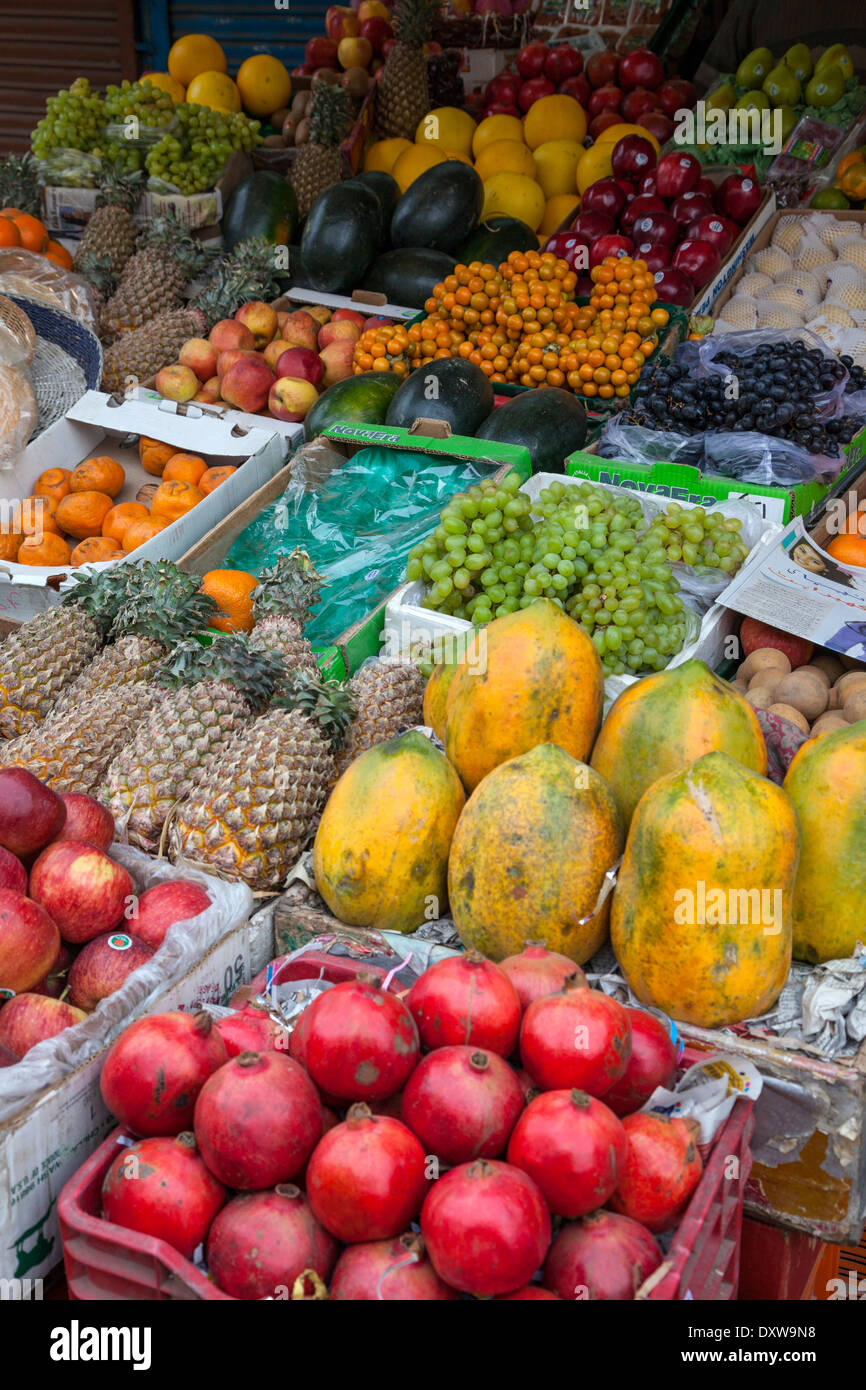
{"x": 668, "y": 720}
{"x": 701, "y": 914}
{"x": 827, "y": 786}
{"x": 435, "y": 695}
{"x": 529, "y": 857}
{"x": 380, "y": 855}
{"x": 530, "y": 677}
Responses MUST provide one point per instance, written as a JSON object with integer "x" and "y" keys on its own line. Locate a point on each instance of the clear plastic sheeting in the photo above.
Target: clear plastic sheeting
{"x": 357, "y": 526}
{"x": 701, "y": 358}
{"x": 746, "y": 456}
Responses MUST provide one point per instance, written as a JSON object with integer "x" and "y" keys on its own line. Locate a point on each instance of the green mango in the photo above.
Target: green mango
{"x": 781, "y": 86}
{"x": 754, "y": 68}
{"x": 799, "y": 60}
{"x": 838, "y": 56}
{"x": 722, "y": 99}
{"x": 753, "y": 98}
{"x": 789, "y": 120}
{"x": 826, "y": 87}
{"x": 830, "y": 198}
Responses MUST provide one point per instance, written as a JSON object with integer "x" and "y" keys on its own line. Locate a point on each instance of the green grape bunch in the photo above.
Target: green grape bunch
{"x": 193, "y": 156}
{"x": 708, "y": 540}
{"x": 74, "y": 120}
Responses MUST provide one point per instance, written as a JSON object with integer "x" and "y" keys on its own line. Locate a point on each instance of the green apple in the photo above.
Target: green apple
{"x": 826, "y": 87}
{"x": 782, "y": 86}
{"x": 799, "y": 60}
{"x": 754, "y": 68}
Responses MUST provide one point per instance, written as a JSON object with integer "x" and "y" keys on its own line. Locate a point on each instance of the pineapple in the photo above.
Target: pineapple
{"x": 248, "y": 272}
{"x": 281, "y": 607}
{"x": 139, "y": 354}
{"x": 154, "y": 279}
{"x": 319, "y": 163}
{"x": 111, "y": 233}
{"x": 19, "y": 184}
{"x": 47, "y": 653}
{"x": 388, "y": 695}
{"x": 72, "y": 747}
{"x": 213, "y": 693}
{"x": 403, "y": 96}
{"x": 256, "y": 808}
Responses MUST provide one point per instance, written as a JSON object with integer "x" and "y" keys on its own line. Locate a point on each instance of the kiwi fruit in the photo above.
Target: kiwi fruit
{"x": 760, "y": 659}
{"x": 277, "y": 118}
{"x": 792, "y": 715}
{"x": 302, "y": 131}
{"x": 806, "y": 693}
{"x": 356, "y": 81}
{"x": 300, "y": 102}
{"x": 274, "y": 142}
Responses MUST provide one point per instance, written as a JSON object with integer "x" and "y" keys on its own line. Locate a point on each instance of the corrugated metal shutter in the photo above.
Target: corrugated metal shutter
{"x": 241, "y": 26}
{"x": 45, "y": 47}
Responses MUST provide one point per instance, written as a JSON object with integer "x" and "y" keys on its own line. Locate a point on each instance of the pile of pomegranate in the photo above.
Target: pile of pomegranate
{"x": 454, "y": 1141}
{"x": 72, "y": 927}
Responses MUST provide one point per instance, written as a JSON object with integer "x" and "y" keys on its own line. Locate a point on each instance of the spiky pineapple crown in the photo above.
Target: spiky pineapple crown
{"x": 328, "y": 704}
{"x": 329, "y": 114}
{"x": 228, "y": 659}
{"x": 99, "y": 270}
{"x": 120, "y": 187}
{"x": 248, "y": 272}
{"x": 19, "y": 184}
{"x": 171, "y": 613}
{"x": 293, "y": 585}
{"x": 99, "y": 593}
{"x": 413, "y": 21}
{"x": 167, "y": 234}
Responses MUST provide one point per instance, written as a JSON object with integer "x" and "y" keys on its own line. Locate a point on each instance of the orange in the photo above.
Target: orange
{"x": 264, "y": 84}
{"x": 848, "y": 550}
{"x": 101, "y": 474}
{"x": 34, "y": 236}
{"x": 9, "y": 544}
{"x": 50, "y": 550}
{"x": 11, "y": 212}
{"x": 120, "y": 517}
{"x": 212, "y": 477}
{"x": 38, "y": 514}
{"x": 138, "y": 532}
{"x": 55, "y": 252}
{"x": 856, "y": 524}
{"x": 232, "y": 590}
{"x": 81, "y": 514}
{"x": 184, "y": 468}
{"x": 96, "y": 549}
{"x": 214, "y": 90}
{"x": 172, "y": 500}
{"x": 192, "y": 54}
{"x": 9, "y": 233}
{"x": 154, "y": 455}
{"x": 54, "y": 482}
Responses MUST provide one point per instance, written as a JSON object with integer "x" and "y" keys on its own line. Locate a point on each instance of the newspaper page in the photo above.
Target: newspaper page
{"x": 797, "y": 586}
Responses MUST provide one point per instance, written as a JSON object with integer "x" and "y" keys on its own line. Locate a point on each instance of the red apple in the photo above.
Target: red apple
{"x": 103, "y": 965}
{"x": 754, "y": 634}
{"x": 29, "y": 941}
{"x": 31, "y": 814}
{"x": 676, "y": 174}
{"x": 632, "y": 157}
{"x": 54, "y": 983}
{"x": 659, "y": 125}
{"x": 606, "y": 196}
{"x": 637, "y": 103}
{"x": 531, "y": 59}
{"x": 576, "y": 87}
{"x": 589, "y": 226}
{"x": 611, "y": 245}
{"x": 377, "y": 31}
{"x": 341, "y": 22}
{"x": 563, "y": 62}
{"x": 739, "y": 197}
{"x": 320, "y": 53}
{"x": 533, "y": 91}
{"x": 605, "y": 98}
{"x": 12, "y": 872}
{"x": 639, "y": 207}
{"x": 598, "y": 124}
{"x": 29, "y": 1019}
{"x": 690, "y": 206}
{"x": 300, "y": 362}
{"x": 83, "y": 890}
{"x": 503, "y": 87}
{"x": 674, "y": 286}
{"x": 502, "y": 108}
{"x": 178, "y": 900}
{"x": 87, "y": 819}
{"x": 656, "y": 227}
{"x": 640, "y": 68}
{"x": 350, "y": 316}
{"x": 386, "y": 49}
{"x": 601, "y": 68}
{"x": 699, "y": 259}
{"x": 570, "y": 247}
{"x": 656, "y": 255}
{"x": 647, "y": 184}
{"x": 719, "y": 231}
{"x": 706, "y": 185}
{"x": 675, "y": 95}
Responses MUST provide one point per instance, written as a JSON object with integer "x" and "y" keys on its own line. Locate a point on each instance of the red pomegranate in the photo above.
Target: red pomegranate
{"x": 661, "y": 1171}
{"x": 653, "y": 1062}
{"x": 156, "y": 1068}
{"x": 360, "y": 1041}
{"x": 330, "y": 1119}
{"x": 251, "y": 1029}
{"x": 536, "y": 972}
{"x": 367, "y": 1177}
{"x": 462, "y": 1103}
{"x": 257, "y": 1120}
{"x": 578, "y": 1038}
{"x": 262, "y": 1242}
{"x": 162, "y": 1188}
{"x": 530, "y": 1293}
{"x": 573, "y": 1147}
{"x": 389, "y": 1271}
{"x": 603, "y": 1257}
{"x": 486, "y": 1227}
{"x": 466, "y": 1001}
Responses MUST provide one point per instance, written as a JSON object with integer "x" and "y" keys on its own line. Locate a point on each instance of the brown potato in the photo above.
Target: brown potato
{"x": 851, "y": 681}
{"x": 829, "y": 663}
{"x": 762, "y": 658}
{"x": 854, "y": 708}
{"x": 769, "y": 677}
{"x": 804, "y": 692}
{"x": 792, "y": 715}
{"x": 760, "y": 696}
{"x": 812, "y": 670}
{"x": 828, "y": 722}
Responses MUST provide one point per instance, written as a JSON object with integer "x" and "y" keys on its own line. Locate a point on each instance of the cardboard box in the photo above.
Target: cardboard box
{"x": 289, "y": 432}
{"x": 764, "y": 237}
{"x": 478, "y": 66}
{"x": 44, "y": 1144}
{"x": 100, "y": 424}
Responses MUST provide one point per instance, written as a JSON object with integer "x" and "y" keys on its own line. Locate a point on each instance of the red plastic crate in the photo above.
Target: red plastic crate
{"x": 335, "y": 969}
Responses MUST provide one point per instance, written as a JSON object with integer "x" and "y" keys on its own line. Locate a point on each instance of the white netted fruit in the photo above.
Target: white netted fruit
{"x": 788, "y": 233}
{"x": 832, "y": 230}
{"x": 852, "y": 296}
{"x": 772, "y": 261}
{"x": 741, "y": 313}
{"x": 754, "y": 283}
{"x": 811, "y": 254}
{"x": 772, "y": 315}
{"x": 804, "y": 282}
{"x": 836, "y": 313}
{"x": 853, "y": 250}
{"x": 786, "y": 294}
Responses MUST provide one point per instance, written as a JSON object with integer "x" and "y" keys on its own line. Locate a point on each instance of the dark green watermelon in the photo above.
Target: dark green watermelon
{"x": 440, "y": 208}
{"x": 493, "y": 241}
{"x": 546, "y": 420}
{"x": 387, "y": 190}
{"x": 263, "y": 204}
{"x": 362, "y": 399}
{"x": 408, "y": 276}
{"x": 341, "y": 236}
{"x": 449, "y": 389}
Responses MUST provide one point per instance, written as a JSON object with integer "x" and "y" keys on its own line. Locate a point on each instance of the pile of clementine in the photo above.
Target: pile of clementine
{"x": 22, "y": 230}
{"x": 383, "y": 349}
